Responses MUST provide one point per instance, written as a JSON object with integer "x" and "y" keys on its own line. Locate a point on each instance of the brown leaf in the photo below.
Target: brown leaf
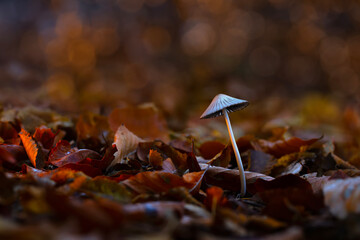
{"x": 33, "y": 149}
{"x": 126, "y": 142}
{"x": 184, "y": 146}
{"x": 210, "y": 149}
{"x": 157, "y": 182}
{"x": 287, "y": 196}
{"x": 282, "y": 147}
{"x": 260, "y": 162}
{"x": 244, "y": 143}
{"x": 223, "y": 158}
{"x": 144, "y": 121}
{"x": 229, "y": 179}
{"x": 342, "y": 196}
{"x": 8, "y": 134}
{"x": 155, "y": 159}
{"x": 179, "y": 159}
{"x": 93, "y": 131}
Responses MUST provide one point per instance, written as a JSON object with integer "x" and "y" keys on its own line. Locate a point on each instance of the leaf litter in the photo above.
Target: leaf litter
{"x": 121, "y": 177}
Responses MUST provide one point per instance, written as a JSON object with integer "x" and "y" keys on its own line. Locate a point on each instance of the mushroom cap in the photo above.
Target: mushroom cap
{"x": 221, "y": 102}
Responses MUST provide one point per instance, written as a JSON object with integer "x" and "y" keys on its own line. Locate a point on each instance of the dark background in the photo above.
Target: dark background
{"x": 77, "y": 55}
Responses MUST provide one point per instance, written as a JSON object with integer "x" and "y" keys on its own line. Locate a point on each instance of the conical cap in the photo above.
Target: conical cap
{"x": 221, "y": 102}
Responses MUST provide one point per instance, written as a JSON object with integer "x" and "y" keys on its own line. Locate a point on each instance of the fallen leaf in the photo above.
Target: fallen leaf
{"x": 63, "y": 154}
{"x": 260, "y": 162}
{"x": 155, "y": 159}
{"x": 229, "y": 179}
{"x": 179, "y": 159}
{"x": 144, "y": 121}
{"x": 85, "y": 168}
{"x": 8, "y": 134}
{"x": 184, "y": 146}
{"x": 210, "y": 149}
{"x": 103, "y": 187}
{"x": 93, "y": 131}
{"x": 342, "y": 196}
{"x": 288, "y": 196}
{"x": 126, "y": 142}
{"x": 283, "y": 147}
{"x": 214, "y": 198}
{"x": 223, "y": 158}
{"x": 33, "y": 149}
{"x": 157, "y": 182}
{"x": 44, "y": 136}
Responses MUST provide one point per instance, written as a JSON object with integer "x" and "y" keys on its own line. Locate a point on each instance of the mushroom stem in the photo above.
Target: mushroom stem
{"x": 237, "y": 154}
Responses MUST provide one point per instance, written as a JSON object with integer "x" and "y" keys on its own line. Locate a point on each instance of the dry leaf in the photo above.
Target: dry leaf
{"x": 33, "y": 149}
{"x": 210, "y": 149}
{"x": 126, "y": 142}
{"x": 229, "y": 179}
{"x": 342, "y": 196}
{"x": 157, "y": 182}
{"x": 145, "y": 121}
{"x": 282, "y": 147}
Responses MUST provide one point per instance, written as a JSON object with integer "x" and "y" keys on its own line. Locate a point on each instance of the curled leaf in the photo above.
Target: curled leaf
{"x": 126, "y": 142}
{"x": 44, "y": 136}
{"x": 33, "y": 149}
{"x": 63, "y": 154}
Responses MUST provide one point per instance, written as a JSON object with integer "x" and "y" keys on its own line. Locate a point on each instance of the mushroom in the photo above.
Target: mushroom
{"x": 221, "y": 105}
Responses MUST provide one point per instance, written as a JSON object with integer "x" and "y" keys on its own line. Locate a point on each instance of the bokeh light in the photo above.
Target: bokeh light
{"x": 79, "y": 55}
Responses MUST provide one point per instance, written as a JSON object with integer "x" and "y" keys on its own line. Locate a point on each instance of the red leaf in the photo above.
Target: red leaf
{"x": 44, "y": 136}
{"x": 61, "y": 149}
{"x": 77, "y": 157}
{"x": 33, "y": 149}
{"x": 106, "y": 159}
{"x": 85, "y": 168}
{"x": 16, "y": 151}
{"x": 63, "y": 154}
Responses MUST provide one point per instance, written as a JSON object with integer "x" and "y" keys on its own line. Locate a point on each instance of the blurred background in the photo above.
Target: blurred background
{"x": 95, "y": 55}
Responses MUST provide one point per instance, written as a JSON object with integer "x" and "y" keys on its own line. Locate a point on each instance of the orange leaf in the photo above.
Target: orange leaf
{"x": 144, "y": 121}
{"x": 33, "y": 149}
{"x": 215, "y": 197}
{"x": 155, "y": 159}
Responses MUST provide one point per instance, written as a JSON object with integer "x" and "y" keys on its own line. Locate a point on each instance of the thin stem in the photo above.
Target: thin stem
{"x": 237, "y": 154}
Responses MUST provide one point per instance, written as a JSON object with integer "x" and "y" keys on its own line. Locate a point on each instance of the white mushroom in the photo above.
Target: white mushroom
{"x": 221, "y": 105}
